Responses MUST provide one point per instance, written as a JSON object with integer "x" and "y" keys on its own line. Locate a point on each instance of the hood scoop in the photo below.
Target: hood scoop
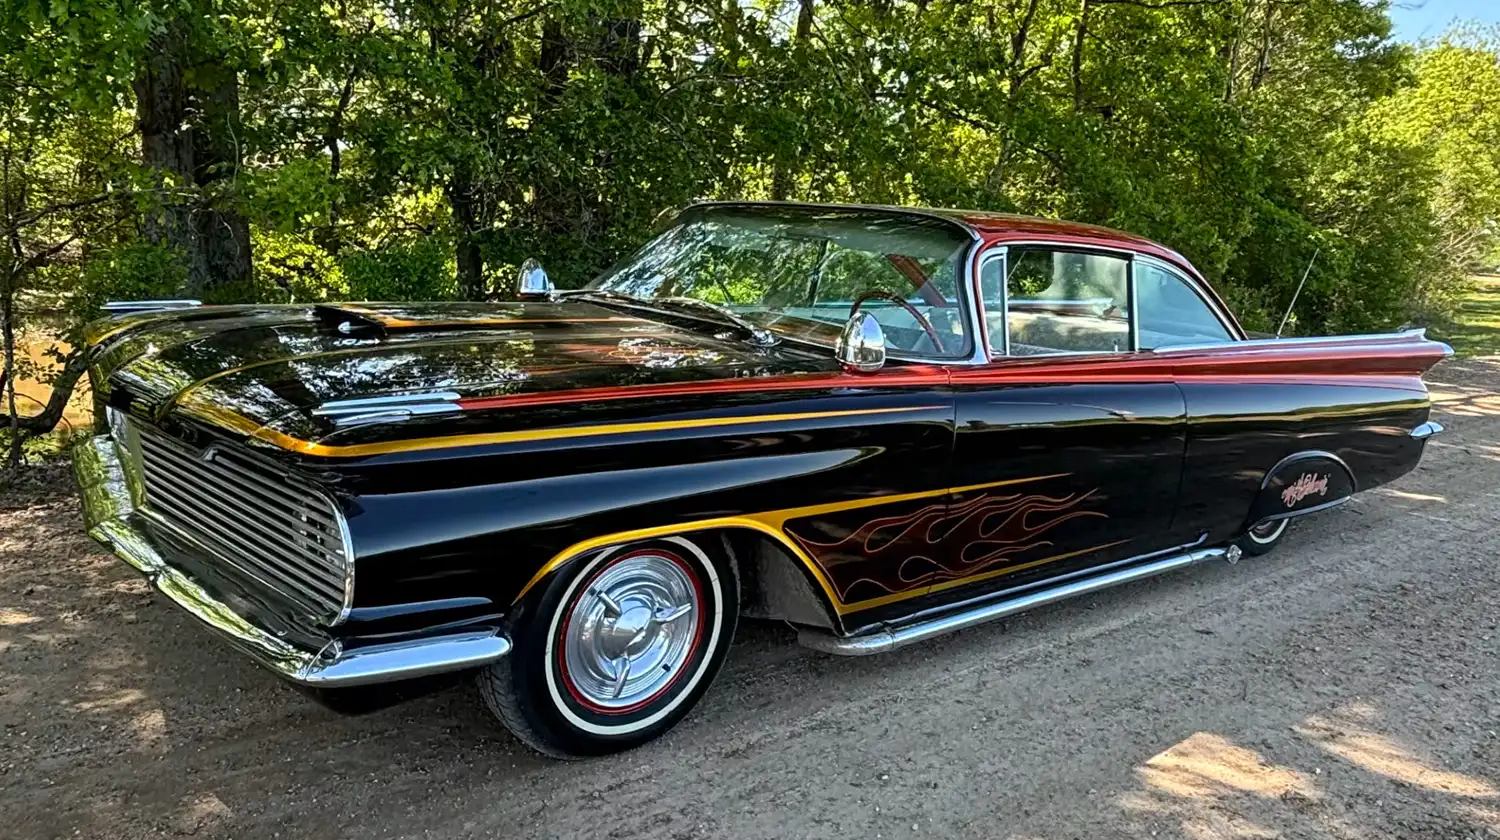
{"x": 388, "y": 409}
{"x": 351, "y": 320}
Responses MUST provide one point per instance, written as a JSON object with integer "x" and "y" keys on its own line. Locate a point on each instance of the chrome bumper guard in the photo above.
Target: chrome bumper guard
{"x": 107, "y": 513}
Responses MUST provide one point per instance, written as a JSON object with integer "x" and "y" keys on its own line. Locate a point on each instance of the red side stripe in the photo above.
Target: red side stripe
{"x": 1398, "y": 364}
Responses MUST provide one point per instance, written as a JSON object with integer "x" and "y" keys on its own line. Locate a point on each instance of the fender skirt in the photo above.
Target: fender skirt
{"x": 1302, "y": 483}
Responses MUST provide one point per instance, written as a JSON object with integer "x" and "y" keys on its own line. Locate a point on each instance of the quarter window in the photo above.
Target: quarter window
{"x": 1171, "y": 312}
{"x": 1062, "y": 302}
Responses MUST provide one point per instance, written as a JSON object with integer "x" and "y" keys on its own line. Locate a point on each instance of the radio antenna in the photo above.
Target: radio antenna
{"x": 1297, "y": 293}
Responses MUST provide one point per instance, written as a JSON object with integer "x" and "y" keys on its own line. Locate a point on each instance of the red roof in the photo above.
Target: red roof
{"x": 1009, "y": 227}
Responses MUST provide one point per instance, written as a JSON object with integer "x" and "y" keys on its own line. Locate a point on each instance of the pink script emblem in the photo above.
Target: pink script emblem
{"x": 1304, "y": 486}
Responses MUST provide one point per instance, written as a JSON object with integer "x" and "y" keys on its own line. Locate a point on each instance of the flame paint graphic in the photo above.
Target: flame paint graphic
{"x": 983, "y": 532}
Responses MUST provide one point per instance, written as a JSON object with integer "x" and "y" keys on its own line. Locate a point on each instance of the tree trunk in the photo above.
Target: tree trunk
{"x": 191, "y": 139}
{"x": 1080, "y": 40}
{"x": 8, "y": 336}
{"x": 161, "y": 98}
{"x": 781, "y": 176}
{"x": 223, "y": 231}
{"x": 463, "y": 197}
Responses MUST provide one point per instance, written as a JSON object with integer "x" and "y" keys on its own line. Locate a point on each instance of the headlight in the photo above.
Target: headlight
{"x": 117, "y": 424}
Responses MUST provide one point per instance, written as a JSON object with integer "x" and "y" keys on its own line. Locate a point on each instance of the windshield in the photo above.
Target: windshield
{"x": 798, "y": 270}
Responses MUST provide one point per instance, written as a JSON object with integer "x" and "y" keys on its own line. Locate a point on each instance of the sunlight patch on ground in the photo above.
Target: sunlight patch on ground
{"x": 199, "y": 812}
{"x": 1206, "y": 784}
{"x": 1415, "y": 497}
{"x": 150, "y": 729}
{"x": 1482, "y": 404}
{"x": 123, "y": 697}
{"x": 14, "y": 618}
{"x": 1347, "y": 737}
{"x": 1206, "y": 764}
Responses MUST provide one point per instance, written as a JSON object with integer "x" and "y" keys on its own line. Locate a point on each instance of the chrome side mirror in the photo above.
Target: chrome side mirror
{"x": 533, "y": 282}
{"x": 861, "y": 347}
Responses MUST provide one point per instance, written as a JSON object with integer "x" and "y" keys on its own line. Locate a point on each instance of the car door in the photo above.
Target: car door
{"x": 1067, "y": 453}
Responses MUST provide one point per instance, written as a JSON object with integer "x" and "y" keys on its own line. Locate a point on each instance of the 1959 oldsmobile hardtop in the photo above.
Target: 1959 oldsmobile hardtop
{"x": 876, "y": 424}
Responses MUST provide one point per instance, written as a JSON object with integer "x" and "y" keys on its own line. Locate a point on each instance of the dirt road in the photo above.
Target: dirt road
{"x": 1346, "y": 686}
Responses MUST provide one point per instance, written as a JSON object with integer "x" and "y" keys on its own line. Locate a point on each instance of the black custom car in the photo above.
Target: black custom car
{"x": 876, "y": 424}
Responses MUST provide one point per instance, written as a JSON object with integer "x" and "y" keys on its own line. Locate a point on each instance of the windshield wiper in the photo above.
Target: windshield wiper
{"x": 758, "y": 335}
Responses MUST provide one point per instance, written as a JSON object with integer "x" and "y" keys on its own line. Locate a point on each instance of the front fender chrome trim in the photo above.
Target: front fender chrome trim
{"x": 107, "y": 510}
{"x": 898, "y": 636}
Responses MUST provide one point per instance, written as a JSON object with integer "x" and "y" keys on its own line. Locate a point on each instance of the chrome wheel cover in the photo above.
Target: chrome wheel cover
{"x": 1268, "y": 532}
{"x": 631, "y": 631}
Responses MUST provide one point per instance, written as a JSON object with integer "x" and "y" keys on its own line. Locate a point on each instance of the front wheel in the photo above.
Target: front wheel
{"x": 617, "y": 649}
{"x": 1263, "y": 538}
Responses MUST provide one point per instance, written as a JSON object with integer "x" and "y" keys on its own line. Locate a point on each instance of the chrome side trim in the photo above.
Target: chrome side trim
{"x": 1427, "y": 430}
{"x": 106, "y": 509}
{"x": 1417, "y": 334}
{"x": 892, "y": 637}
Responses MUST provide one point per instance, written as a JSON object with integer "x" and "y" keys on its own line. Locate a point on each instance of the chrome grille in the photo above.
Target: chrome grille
{"x": 285, "y": 534}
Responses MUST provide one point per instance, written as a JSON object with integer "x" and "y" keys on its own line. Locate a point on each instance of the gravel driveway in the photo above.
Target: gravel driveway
{"x": 1347, "y": 685}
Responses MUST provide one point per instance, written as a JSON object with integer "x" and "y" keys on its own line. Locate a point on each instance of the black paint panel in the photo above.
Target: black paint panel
{"x": 1239, "y": 431}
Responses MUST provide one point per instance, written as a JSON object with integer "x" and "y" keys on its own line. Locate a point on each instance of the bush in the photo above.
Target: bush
{"x": 418, "y": 270}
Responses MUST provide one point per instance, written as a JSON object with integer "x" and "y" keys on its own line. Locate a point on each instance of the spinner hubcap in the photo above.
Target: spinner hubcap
{"x": 631, "y": 631}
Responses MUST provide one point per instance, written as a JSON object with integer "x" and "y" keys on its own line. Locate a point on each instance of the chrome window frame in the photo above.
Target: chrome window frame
{"x": 978, "y": 353}
{"x": 1003, "y": 251}
{"x": 1002, "y": 254}
{"x": 1197, "y": 288}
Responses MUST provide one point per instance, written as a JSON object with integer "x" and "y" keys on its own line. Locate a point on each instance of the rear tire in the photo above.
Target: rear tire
{"x": 1263, "y": 538}
{"x": 618, "y": 647}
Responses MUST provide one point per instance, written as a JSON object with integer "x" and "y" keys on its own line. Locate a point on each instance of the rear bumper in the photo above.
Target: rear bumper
{"x": 108, "y": 514}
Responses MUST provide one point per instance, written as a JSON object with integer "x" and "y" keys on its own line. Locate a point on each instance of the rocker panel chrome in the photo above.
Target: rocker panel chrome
{"x": 891, "y": 638}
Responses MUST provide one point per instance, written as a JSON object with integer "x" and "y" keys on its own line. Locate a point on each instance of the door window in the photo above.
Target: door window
{"x": 1059, "y": 302}
{"x": 1171, "y": 312}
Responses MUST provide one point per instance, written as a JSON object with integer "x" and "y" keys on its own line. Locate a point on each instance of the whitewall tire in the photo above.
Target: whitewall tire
{"x": 616, "y": 647}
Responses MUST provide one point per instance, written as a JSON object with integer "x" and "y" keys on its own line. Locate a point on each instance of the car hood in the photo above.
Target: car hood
{"x": 280, "y": 367}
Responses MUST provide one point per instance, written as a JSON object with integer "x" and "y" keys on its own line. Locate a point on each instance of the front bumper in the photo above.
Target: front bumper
{"x": 108, "y": 514}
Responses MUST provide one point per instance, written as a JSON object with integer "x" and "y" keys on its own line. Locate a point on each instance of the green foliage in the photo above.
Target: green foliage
{"x": 292, "y": 268}
{"x": 425, "y": 148}
{"x": 129, "y": 271}
{"x": 1474, "y": 329}
{"x": 419, "y": 270}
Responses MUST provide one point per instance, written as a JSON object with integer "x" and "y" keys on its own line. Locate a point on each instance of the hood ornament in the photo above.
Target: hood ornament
{"x": 533, "y": 282}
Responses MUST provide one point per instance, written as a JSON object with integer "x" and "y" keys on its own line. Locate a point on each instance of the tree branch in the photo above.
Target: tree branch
{"x": 1161, "y": 4}
{"x": 51, "y": 414}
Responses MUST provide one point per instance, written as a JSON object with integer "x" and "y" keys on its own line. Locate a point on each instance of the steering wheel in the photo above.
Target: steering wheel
{"x": 922, "y": 321}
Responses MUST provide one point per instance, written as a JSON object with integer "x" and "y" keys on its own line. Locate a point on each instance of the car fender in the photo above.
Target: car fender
{"x": 1302, "y": 483}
